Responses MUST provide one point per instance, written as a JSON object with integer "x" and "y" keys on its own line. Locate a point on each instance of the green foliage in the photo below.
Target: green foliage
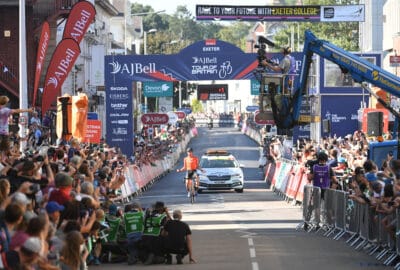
{"x": 175, "y": 32}
{"x": 197, "y": 106}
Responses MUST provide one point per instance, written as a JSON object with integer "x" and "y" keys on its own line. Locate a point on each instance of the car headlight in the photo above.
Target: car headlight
{"x": 237, "y": 175}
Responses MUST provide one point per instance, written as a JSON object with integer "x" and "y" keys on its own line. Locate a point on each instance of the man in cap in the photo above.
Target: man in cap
{"x": 54, "y": 210}
{"x": 62, "y": 193}
{"x": 25, "y": 257}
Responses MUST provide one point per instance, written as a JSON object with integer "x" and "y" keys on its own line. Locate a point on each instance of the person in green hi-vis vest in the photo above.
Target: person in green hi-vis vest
{"x": 153, "y": 242}
{"x": 134, "y": 226}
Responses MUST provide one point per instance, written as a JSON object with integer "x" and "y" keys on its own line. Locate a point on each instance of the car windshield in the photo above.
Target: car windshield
{"x": 217, "y": 163}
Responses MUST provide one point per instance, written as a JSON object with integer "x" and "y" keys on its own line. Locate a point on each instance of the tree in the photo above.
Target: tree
{"x": 235, "y": 34}
{"x": 197, "y": 106}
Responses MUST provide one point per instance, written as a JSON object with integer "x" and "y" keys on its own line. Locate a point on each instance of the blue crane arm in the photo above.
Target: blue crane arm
{"x": 360, "y": 69}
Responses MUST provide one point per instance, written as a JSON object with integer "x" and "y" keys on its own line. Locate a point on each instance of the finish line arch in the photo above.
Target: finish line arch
{"x": 210, "y": 59}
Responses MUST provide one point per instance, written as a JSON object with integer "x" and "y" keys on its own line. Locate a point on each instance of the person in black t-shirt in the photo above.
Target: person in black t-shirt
{"x": 178, "y": 239}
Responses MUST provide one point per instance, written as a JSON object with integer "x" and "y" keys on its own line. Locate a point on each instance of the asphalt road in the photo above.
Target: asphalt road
{"x": 252, "y": 230}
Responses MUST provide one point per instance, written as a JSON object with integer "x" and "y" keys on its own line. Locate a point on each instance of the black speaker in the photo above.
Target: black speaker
{"x": 374, "y": 123}
{"x": 326, "y": 126}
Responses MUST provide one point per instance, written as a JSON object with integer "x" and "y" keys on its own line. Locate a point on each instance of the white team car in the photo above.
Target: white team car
{"x": 222, "y": 172}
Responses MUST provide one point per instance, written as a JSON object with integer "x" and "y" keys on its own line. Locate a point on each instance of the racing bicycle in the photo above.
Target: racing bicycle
{"x": 192, "y": 190}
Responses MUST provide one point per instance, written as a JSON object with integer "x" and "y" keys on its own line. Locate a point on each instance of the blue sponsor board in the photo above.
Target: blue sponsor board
{"x": 119, "y": 117}
{"x": 301, "y": 132}
{"x": 186, "y": 110}
{"x": 254, "y": 87}
{"x": 252, "y": 108}
{"x": 343, "y": 118}
{"x": 158, "y": 89}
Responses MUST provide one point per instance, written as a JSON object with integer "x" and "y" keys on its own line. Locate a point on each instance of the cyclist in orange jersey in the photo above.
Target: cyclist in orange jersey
{"x": 190, "y": 165}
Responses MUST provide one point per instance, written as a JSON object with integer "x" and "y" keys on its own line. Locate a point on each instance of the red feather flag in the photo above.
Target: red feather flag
{"x": 63, "y": 60}
{"x": 81, "y": 16}
{"x": 41, "y": 56}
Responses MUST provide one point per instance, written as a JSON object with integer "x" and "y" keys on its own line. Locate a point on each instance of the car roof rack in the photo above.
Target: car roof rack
{"x": 217, "y": 152}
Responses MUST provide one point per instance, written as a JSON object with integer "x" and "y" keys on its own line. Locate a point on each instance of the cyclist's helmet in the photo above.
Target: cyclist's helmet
{"x": 190, "y": 149}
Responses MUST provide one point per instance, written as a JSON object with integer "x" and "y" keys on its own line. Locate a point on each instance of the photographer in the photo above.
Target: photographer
{"x": 153, "y": 242}
{"x": 287, "y": 66}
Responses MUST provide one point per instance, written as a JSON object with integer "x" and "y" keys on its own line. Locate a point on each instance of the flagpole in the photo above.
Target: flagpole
{"x": 23, "y": 90}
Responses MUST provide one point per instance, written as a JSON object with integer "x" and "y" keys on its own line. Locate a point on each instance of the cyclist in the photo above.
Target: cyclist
{"x": 190, "y": 164}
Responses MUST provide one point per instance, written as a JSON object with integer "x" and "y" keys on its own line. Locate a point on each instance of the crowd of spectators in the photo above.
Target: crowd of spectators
{"x": 56, "y": 200}
{"x": 366, "y": 182}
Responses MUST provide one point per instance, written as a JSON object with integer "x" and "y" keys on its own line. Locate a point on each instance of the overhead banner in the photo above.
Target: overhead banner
{"x": 62, "y": 61}
{"x": 158, "y": 89}
{"x": 81, "y": 16}
{"x": 41, "y": 55}
{"x": 311, "y": 13}
{"x": 204, "y": 60}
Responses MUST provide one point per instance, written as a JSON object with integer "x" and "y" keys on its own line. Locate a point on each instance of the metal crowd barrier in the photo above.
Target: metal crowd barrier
{"x": 339, "y": 216}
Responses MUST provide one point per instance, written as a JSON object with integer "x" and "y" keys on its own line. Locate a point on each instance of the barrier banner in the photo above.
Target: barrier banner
{"x": 81, "y": 16}
{"x": 62, "y": 61}
{"x": 276, "y": 172}
{"x": 130, "y": 177}
{"x": 266, "y": 170}
{"x": 294, "y": 182}
{"x": 41, "y": 55}
{"x": 137, "y": 175}
{"x": 303, "y": 182}
{"x": 271, "y": 172}
{"x": 279, "y": 175}
{"x": 282, "y": 178}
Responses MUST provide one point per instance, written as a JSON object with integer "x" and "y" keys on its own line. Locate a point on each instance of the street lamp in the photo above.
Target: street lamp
{"x": 153, "y": 30}
{"x": 126, "y": 24}
{"x": 164, "y": 45}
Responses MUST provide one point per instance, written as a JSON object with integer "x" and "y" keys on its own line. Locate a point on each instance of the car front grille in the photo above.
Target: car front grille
{"x": 219, "y": 177}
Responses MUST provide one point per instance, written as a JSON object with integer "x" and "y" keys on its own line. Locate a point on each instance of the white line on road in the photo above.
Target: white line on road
{"x": 252, "y": 252}
{"x": 251, "y": 243}
{"x": 254, "y": 265}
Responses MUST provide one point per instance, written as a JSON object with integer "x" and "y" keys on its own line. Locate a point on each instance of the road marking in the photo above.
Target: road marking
{"x": 254, "y": 265}
{"x": 252, "y": 252}
{"x": 250, "y": 240}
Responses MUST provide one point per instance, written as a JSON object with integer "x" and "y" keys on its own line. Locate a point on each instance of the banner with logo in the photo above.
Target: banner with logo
{"x": 62, "y": 61}
{"x": 93, "y": 131}
{"x": 158, "y": 89}
{"x": 119, "y": 116}
{"x": 81, "y": 16}
{"x": 309, "y": 13}
{"x": 204, "y": 60}
{"x": 343, "y": 118}
{"x": 41, "y": 55}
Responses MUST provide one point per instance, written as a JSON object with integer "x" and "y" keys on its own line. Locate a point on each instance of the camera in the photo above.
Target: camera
{"x": 34, "y": 188}
{"x": 261, "y": 50}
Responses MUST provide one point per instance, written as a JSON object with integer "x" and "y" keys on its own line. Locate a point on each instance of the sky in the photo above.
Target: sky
{"x": 170, "y": 5}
